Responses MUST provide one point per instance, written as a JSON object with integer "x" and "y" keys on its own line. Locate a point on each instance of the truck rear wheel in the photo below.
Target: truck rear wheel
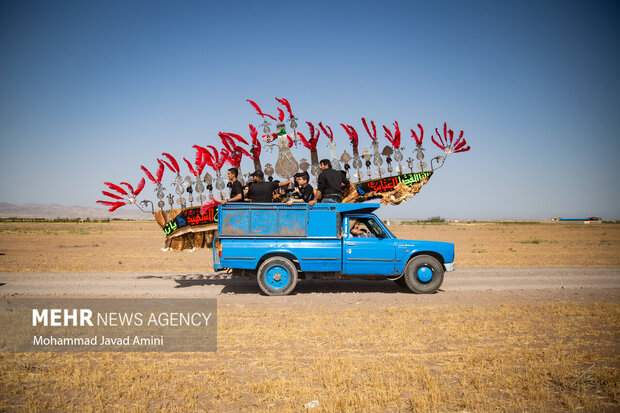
{"x": 423, "y": 274}
{"x": 277, "y": 276}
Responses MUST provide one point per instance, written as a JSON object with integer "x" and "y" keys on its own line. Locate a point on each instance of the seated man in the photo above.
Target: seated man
{"x": 262, "y": 191}
{"x": 357, "y": 231}
{"x": 304, "y": 192}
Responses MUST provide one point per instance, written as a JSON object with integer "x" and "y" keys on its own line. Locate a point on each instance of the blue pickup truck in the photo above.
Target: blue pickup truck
{"x": 279, "y": 244}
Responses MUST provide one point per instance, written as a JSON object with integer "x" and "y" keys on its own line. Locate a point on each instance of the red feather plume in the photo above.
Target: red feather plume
{"x": 160, "y": 170}
{"x": 190, "y": 167}
{"x": 414, "y": 135}
{"x": 373, "y": 135}
{"x": 236, "y": 137}
{"x": 330, "y": 135}
{"x": 304, "y": 141}
{"x": 352, "y": 134}
{"x": 256, "y": 146}
{"x": 394, "y": 139}
{"x": 139, "y": 188}
{"x": 111, "y": 195}
{"x": 116, "y": 188}
{"x": 288, "y": 106}
{"x": 260, "y": 112}
{"x": 173, "y": 162}
{"x": 168, "y": 165}
{"x": 280, "y": 115}
{"x": 148, "y": 174}
{"x": 128, "y": 185}
{"x": 114, "y": 205}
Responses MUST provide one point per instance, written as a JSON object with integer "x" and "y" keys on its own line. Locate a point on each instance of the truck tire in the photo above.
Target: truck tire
{"x": 277, "y": 276}
{"x": 423, "y": 274}
{"x": 401, "y": 282}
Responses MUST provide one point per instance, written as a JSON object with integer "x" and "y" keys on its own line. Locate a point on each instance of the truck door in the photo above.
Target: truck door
{"x": 367, "y": 249}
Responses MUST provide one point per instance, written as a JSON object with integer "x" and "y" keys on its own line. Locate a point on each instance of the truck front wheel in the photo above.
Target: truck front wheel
{"x": 277, "y": 276}
{"x": 423, "y": 274}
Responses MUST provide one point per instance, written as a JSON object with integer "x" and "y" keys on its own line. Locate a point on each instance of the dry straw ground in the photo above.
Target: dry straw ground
{"x": 553, "y": 356}
{"x": 136, "y": 246}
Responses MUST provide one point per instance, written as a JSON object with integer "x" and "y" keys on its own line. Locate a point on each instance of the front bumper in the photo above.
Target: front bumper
{"x": 449, "y": 266}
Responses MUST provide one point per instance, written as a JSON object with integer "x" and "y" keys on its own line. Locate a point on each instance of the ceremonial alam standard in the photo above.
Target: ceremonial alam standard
{"x": 278, "y": 243}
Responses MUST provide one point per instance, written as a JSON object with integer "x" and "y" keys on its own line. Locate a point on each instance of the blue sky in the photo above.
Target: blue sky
{"x": 90, "y": 91}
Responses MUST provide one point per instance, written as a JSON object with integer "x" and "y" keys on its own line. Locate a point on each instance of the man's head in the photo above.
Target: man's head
{"x": 257, "y": 175}
{"x": 302, "y": 178}
{"x": 233, "y": 173}
{"x": 325, "y": 164}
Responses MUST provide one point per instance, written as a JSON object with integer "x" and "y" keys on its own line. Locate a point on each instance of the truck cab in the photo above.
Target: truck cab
{"x": 280, "y": 244}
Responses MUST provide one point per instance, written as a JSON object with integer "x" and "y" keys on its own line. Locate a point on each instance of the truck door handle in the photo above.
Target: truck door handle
{"x": 352, "y": 244}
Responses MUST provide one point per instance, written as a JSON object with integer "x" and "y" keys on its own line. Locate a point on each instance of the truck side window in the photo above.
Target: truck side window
{"x": 364, "y": 228}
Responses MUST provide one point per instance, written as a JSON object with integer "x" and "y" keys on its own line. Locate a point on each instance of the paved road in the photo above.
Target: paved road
{"x": 467, "y": 285}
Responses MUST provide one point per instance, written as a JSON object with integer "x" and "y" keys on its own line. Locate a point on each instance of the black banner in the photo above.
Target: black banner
{"x": 389, "y": 183}
{"x": 190, "y": 217}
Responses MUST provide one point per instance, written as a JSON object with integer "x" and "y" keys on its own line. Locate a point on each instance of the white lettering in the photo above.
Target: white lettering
{"x": 39, "y": 317}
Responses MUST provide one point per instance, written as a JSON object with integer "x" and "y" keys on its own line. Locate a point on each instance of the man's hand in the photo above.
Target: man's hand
{"x": 289, "y": 202}
{"x": 223, "y": 202}
{"x": 311, "y": 202}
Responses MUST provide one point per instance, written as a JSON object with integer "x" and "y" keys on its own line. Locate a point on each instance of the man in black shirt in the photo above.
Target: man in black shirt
{"x": 236, "y": 190}
{"x": 262, "y": 191}
{"x": 330, "y": 184}
{"x": 306, "y": 193}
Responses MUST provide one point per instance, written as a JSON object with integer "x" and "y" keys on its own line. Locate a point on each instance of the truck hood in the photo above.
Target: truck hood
{"x": 446, "y": 249}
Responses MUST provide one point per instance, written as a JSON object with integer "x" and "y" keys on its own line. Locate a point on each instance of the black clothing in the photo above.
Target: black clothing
{"x": 262, "y": 191}
{"x": 236, "y": 189}
{"x": 330, "y": 183}
{"x": 307, "y": 193}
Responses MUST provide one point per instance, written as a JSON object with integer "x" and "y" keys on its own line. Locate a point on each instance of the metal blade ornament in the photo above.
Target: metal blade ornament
{"x": 293, "y": 125}
{"x": 345, "y": 159}
{"x": 179, "y": 188}
{"x": 387, "y": 152}
{"x": 200, "y": 188}
{"x": 286, "y": 166}
{"x": 303, "y": 164}
{"x": 170, "y": 200}
{"x": 331, "y": 143}
{"x": 353, "y": 137}
{"x": 190, "y": 191}
{"x": 376, "y": 159}
{"x": 367, "y": 156}
{"x": 219, "y": 183}
{"x": 410, "y": 164}
{"x": 398, "y": 157}
{"x": 269, "y": 171}
{"x": 160, "y": 195}
{"x": 419, "y": 150}
{"x": 333, "y": 152}
{"x": 291, "y": 118}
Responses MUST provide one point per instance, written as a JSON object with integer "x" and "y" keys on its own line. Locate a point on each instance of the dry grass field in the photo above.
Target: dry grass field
{"x": 136, "y": 246}
{"x": 549, "y": 356}
{"x": 552, "y": 357}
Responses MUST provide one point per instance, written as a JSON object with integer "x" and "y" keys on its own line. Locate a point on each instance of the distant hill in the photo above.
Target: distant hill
{"x": 52, "y": 211}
